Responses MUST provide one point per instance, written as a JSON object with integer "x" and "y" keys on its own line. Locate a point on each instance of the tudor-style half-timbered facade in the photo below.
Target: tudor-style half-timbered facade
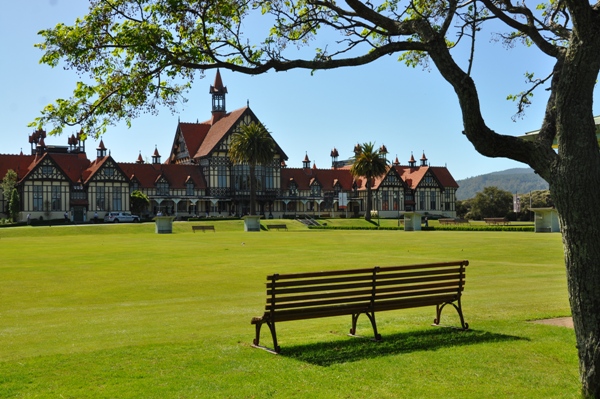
{"x": 199, "y": 179}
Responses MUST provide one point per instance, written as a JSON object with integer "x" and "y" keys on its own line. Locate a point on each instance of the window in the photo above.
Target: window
{"x": 47, "y": 169}
{"x": 315, "y": 190}
{"x": 56, "y": 198}
{"x": 117, "y": 203}
{"x": 109, "y": 171}
{"x": 293, "y": 189}
{"x": 432, "y": 200}
{"x": 162, "y": 188}
{"x": 222, "y": 176}
{"x": 38, "y": 198}
{"x": 241, "y": 177}
{"x": 385, "y": 198}
{"x": 100, "y": 204}
{"x": 189, "y": 189}
{"x": 269, "y": 178}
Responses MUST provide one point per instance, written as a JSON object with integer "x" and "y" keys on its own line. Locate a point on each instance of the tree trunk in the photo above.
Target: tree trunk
{"x": 578, "y": 207}
{"x": 575, "y": 188}
{"x": 252, "y": 190}
{"x": 369, "y": 204}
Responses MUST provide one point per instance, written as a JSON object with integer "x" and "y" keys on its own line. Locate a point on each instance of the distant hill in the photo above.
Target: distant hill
{"x": 516, "y": 180}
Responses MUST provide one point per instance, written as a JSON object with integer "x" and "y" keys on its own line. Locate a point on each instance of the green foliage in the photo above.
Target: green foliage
{"x": 9, "y": 181}
{"x": 491, "y": 202}
{"x": 139, "y": 202}
{"x": 14, "y": 205}
{"x": 463, "y": 208}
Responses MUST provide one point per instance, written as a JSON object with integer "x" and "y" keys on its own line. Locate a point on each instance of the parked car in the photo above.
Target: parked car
{"x": 116, "y": 217}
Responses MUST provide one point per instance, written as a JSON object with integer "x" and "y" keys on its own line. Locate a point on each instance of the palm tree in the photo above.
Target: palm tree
{"x": 252, "y": 145}
{"x": 370, "y": 163}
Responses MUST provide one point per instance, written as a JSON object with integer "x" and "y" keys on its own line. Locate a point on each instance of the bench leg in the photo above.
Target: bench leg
{"x": 438, "y": 311}
{"x": 371, "y": 316}
{"x": 256, "y": 341}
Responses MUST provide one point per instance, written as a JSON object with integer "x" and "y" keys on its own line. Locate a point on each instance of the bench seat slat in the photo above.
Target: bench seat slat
{"x": 297, "y": 314}
{"x": 413, "y": 303}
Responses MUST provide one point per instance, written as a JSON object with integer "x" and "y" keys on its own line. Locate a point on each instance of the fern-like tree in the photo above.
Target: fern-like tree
{"x": 370, "y": 164}
{"x": 252, "y": 145}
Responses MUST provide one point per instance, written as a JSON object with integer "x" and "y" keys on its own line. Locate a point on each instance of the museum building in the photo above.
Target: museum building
{"x": 198, "y": 179}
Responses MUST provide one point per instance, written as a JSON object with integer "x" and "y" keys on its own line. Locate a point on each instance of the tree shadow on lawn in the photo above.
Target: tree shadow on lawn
{"x": 329, "y": 353}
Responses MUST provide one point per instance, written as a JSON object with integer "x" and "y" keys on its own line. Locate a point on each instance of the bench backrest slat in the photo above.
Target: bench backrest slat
{"x": 335, "y": 301}
{"x": 320, "y": 294}
{"x": 319, "y": 281}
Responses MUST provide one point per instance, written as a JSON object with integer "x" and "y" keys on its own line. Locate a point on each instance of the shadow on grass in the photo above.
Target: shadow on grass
{"x": 329, "y": 353}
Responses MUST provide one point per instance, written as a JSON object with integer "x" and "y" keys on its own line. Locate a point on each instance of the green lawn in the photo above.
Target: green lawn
{"x": 117, "y": 311}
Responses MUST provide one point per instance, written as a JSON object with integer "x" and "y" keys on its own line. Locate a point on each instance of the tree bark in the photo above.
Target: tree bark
{"x": 574, "y": 185}
{"x": 252, "y": 190}
{"x": 369, "y": 204}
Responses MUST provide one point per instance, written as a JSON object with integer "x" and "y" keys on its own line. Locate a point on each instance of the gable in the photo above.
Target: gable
{"x": 47, "y": 169}
{"x": 109, "y": 171}
{"x": 429, "y": 180}
{"x": 392, "y": 179}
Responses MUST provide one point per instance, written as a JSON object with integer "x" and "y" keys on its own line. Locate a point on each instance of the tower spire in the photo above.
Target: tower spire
{"x": 218, "y": 91}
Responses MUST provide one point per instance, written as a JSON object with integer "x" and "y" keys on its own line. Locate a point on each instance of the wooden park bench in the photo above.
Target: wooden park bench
{"x": 311, "y": 295}
{"x": 453, "y": 221}
{"x": 496, "y": 220}
{"x": 277, "y": 226}
{"x": 203, "y": 228}
{"x": 447, "y": 221}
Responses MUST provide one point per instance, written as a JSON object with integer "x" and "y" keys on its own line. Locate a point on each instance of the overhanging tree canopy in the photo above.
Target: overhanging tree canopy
{"x": 140, "y": 54}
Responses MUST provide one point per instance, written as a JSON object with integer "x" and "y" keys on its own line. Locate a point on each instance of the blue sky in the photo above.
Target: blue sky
{"x": 408, "y": 110}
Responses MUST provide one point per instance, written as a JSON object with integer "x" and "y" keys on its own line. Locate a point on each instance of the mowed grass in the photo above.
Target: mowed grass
{"x": 117, "y": 311}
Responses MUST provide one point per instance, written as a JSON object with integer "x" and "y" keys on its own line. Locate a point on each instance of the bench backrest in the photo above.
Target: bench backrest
{"x": 341, "y": 292}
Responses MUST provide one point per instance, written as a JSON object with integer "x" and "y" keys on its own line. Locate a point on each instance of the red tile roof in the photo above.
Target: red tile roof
{"x": 19, "y": 163}
{"x": 218, "y": 131}
{"x": 327, "y": 178}
{"x": 176, "y": 175}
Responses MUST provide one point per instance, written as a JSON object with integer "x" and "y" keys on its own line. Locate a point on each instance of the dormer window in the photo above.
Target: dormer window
{"x": 315, "y": 190}
{"x": 189, "y": 188}
{"x": 293, "y": 189}
{"x": 162, "y": 188}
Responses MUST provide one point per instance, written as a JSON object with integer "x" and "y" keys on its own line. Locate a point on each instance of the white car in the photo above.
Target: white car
{"x": 116, "y": 217}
